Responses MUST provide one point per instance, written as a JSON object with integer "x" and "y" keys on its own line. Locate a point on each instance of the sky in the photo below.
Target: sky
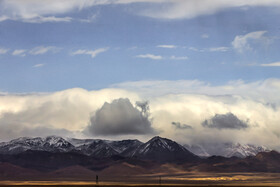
{"x": 196, "y": 71}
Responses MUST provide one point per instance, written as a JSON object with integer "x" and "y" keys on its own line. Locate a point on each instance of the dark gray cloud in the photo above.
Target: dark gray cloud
{"x": 121, "y": 118}
{"x": 225, "y": 121}
{"x": 178, "y": 125}
{"x": 144, "y": 106}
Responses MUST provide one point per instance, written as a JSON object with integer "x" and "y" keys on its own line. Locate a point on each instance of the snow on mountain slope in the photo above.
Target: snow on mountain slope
{"x": 242, "y": 151}
{"x": 157, "y": 148}
{"x": 97, "y": 148}
{"x": 125, "y": 145}
{"x": 227, "y": 150}
{"x": 107, "y": 147}
{"x": 50, "y": 143}
{"x": 162, "y": 149}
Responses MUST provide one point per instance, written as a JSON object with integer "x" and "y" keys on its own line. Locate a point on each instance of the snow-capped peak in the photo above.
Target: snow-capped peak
{"x": 50, "y": 143}
{"x": 238, "y": 150}
{"x": 227, "y": 150}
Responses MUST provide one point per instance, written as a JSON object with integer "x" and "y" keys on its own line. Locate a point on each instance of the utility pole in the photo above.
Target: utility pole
{"x": 96, "y": 179}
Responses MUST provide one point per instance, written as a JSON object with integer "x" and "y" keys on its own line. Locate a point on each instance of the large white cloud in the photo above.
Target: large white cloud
{"x": 35, "y": 11}
{"x": 187, "y": 102}
{"x": 69, "y": 110}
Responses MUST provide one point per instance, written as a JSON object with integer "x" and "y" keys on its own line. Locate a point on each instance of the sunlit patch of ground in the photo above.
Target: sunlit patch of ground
{"x": 179, "y": 179}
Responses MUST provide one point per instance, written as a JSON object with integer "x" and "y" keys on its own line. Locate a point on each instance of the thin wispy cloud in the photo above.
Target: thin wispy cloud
{"x": 188, "y": 9}
{"x": 196, "y": 49}
{"x": 211, "y": 49}
{"x": 3, "y": 18}
{"x": 50, "y": 19}
{"x": 218, "y": 49}
{"x": 38, "y": 65}
{"x": 150, "y": 56}
{"x": 274, "y": 64}
{"x": 179, "y": 58}
{"x": 167, "y": 46}
{"x": 19, "y": 52}
{"x": 132, "y": 48}
{"x": 204, "y": 36}
{"x": 92, "y": 53}
{"x": 88, "y": 19}
{"x": 43, "y": 49}
{"x": 3, "y": 51}
{"x": 159, "y": 57}
{"x": 43, "y": 19}
{"x": 242, "y": 43}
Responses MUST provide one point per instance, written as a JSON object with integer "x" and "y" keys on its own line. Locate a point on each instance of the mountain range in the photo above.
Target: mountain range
{"x": 128, "y": 148}
{"x": 54, "y": 156}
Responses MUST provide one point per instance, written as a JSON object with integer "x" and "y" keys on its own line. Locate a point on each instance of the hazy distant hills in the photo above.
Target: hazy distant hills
{"x": 56, "y": 157}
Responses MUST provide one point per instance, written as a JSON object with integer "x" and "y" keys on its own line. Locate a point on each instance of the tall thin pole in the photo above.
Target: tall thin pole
{"x": 96, "y": 179}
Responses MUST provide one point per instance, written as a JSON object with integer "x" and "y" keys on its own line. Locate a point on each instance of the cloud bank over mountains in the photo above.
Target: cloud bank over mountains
{"x": 235, "y": 112}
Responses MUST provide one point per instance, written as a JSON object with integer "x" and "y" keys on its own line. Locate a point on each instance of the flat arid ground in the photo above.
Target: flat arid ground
{"x": 180, "y": 179}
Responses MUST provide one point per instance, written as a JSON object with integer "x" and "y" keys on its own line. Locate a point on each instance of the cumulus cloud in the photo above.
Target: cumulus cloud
{"x": 43, "y": 49}
{"x": 150, "y": 56}
{"x": 120, "y": 118}
{"x": 92, "y": 53}
{"x": 243, "y": 42}
{"x": 178, "y": 125}
{"x": 225, "y": 121}
{"x": 19, "y": 52}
